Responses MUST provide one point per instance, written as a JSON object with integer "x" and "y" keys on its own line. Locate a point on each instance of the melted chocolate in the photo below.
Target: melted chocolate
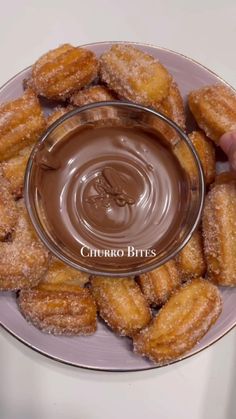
{"x": 110, "y": 188}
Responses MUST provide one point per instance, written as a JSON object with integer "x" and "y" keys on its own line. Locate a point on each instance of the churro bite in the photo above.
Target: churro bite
{"x": 8, "y": 209}
{"x": 14, "y": 171}
{"x": 23, "y": 259}
{"x": 214, "y": 108}
{"x": 181, "y": 323}
{"x": 121, "y": 304}
{"x": 135, "y": 75}
{"x": 57, "y": 113}
{"x": 63, "y": 71}
{"x": 59, "y": 308}
{"x": 206, "y": 153}
{"x": 92, "y": 94}
{"x": 60, "y": 273}
{"x": 21, "y": 124}
{"x": 219, "y": 231}
{"x": 173, "y": 106}
{"x": 158, "y": 285}
{"x": 190, "y": 260}
{"x": 59, "y": 304}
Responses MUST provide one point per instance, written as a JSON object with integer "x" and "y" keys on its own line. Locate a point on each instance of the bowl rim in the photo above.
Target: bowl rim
{"x": 55, "y": 248}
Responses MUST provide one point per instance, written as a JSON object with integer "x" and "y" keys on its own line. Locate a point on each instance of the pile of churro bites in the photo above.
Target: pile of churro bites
{"x": 60, "y": 300}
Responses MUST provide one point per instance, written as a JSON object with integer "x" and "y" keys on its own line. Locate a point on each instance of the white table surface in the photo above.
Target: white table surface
{"x": 34, "y": 387}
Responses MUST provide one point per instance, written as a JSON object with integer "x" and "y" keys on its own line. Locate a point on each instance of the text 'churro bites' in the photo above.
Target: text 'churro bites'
{"x": 135, "y": 75}
{"x": 92, "y": 94}
{"x": 24, "y": 259}
{"x": 62, "y": 71}
{"x": 14, "y": 171}
{"x": 60, "y": 309}
{"x": 121, "y": 304}
{"x": 206, "y": 153}
{"x": 190, "y": 260}
{"x": 8, "y": 209}
{"x": 158, "y": 285}
{"x": 181, "y": 323}
{"x": 21, "y": 124}
{"x": 219, "y": 231}
{"x": 214, "y": 108}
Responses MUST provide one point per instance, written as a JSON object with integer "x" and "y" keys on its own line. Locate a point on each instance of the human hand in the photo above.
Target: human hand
{"x": 228, "y": 144}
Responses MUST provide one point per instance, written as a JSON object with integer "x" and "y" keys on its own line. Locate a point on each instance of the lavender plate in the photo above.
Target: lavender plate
{"x": 104, "y": 350}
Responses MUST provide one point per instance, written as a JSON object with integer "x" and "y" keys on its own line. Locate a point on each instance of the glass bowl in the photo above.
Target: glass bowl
{"x": 162, "y": 243}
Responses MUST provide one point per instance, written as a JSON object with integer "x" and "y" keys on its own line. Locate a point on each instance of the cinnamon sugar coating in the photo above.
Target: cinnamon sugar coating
{"x": 62, "y": 71}
{"x": 181, "y": 323}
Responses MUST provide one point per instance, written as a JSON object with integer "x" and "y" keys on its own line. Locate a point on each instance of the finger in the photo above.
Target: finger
{"x": 228, "y": 144}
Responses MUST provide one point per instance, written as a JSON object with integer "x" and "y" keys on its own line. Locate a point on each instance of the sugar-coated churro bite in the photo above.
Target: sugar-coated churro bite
{"x": 135, "y": 75}
{"x": 14, "y": 171}
{"x": 21, "y": 124}
{"x": 206, "y": 153}
{"x": 121, "y": 304}
{"x": 158, "y": 285}
{"x": 190, "y": 260}
{"x": 59, "y": 309}
{"x": 214, "y": 108}
{"x": 173, "y": 106}
{"x": 61, "y": 274}
{"x": 219, "y": 230}
{"x": 23, "y": 259}
{"x": 62, "y": 71}
{"x": 92, "y": 94}
{"x": 59, "y": 304}
{"x": 181, "y": 323}
{"x": 57, "y": 113}
{"x": 8, "y": 210}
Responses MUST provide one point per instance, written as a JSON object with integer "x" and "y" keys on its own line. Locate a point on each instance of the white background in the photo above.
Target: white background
{"x": 33, "y": 387}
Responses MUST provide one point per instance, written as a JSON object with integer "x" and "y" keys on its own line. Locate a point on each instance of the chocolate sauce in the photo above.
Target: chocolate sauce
{"x": 110, "y": 188}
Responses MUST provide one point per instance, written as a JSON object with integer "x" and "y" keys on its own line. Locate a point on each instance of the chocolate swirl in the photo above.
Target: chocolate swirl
{"x": 112, "y": 187}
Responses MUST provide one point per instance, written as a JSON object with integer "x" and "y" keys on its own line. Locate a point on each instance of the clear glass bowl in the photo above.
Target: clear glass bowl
{"x": 125, "y": 115}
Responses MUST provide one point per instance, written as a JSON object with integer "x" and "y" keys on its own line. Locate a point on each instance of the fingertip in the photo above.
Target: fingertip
{"x": 226, "y": 141}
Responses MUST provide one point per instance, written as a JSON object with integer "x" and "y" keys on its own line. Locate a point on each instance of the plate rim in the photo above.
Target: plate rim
{"x": 102, "y": 369}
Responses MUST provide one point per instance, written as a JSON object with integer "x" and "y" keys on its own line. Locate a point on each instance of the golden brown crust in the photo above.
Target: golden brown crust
{"x": 219, "y": 230}
{"x": 62, "y": 71}
{"x": 121, "y": 304}
{"x": 173, "y": 106}
{"x": 206, "y": 153}
{"x": 60, "y": 274}
{"x": 135, "y": 75}
{"x": 14, "y": 171}
{"x": 8, "y": 209}
{"x": 181, "y": 323}
{"x": 24, "y": 259}
{"x": 224, "y": 178}
{"x": 60, "y": 309}
{"x": 214, "y": 108}
{"x": 158, "y": 285}
{"x": 21, "y": 124}
{"x": 190, "y": 260}
{"x": 92, "y": 94}
{"x": 57, "y": 113}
